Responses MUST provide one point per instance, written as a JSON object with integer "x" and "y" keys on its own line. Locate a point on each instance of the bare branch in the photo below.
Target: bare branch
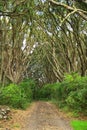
{"x": 81, "y": 12}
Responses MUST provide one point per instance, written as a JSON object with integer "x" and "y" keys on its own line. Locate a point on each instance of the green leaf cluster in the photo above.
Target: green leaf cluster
{"x": 72, "y": 92}
{"x": 17, "y": 96}
{"x": 13, "y": 96}
{"x": 28, "y": 87}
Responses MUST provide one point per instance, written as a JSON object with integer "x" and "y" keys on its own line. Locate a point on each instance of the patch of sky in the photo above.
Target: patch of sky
{"x": 69, "y": 27}
{"x": 84, "y": 32}
{"x": 43, "y": 1}
{"x": 39, "y": 12}
{"x": 24, "y": 44}
{"x": 49, "y": 33}
{"x": 33, "y": 48}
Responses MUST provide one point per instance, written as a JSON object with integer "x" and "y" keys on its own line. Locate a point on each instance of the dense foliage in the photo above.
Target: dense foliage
{"x": 17, "y": 96}
{"x": 28, "y": 86}
{"x": 72, "y": 92}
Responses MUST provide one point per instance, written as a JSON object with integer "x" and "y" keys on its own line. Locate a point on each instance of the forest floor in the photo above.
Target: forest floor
{"x": 39, "y": 116}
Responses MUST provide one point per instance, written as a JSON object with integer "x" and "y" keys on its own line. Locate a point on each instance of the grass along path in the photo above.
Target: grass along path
{"x": 79, "y": 125}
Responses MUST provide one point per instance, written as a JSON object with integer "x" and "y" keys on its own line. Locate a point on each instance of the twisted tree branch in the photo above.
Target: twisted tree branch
{"x": 81, "y": 12}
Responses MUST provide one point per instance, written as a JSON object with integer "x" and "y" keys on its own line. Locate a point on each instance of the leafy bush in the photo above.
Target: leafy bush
{"x": 77, "y": 100}
{"x": 28, "y": 87}
{"x": 13, "y": 96}
{"x": 17, "y": 96}
{"x": 72, "y": 92}
{"x": 47, "y": 91}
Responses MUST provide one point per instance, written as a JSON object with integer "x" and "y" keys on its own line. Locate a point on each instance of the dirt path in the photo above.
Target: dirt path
{"x": 45, "y": 116}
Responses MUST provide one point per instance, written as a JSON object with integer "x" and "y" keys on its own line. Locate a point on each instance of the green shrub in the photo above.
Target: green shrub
{"x": 13, "y": 96}
{"x": 72, "y": 92}
{"x": 44, "y": 92}
{"x": 28, "y": 87}
{"x": 78, "y": 100}
{"x": 18, "y": 96}
{"x": 48, "y": 91}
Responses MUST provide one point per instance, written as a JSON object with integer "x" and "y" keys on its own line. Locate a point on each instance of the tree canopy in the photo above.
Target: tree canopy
{"x": 42, "y": 39}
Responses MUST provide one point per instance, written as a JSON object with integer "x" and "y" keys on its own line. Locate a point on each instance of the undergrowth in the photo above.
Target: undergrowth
{"x": 71, "y": 93}
{"x": 79, "y": 125}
